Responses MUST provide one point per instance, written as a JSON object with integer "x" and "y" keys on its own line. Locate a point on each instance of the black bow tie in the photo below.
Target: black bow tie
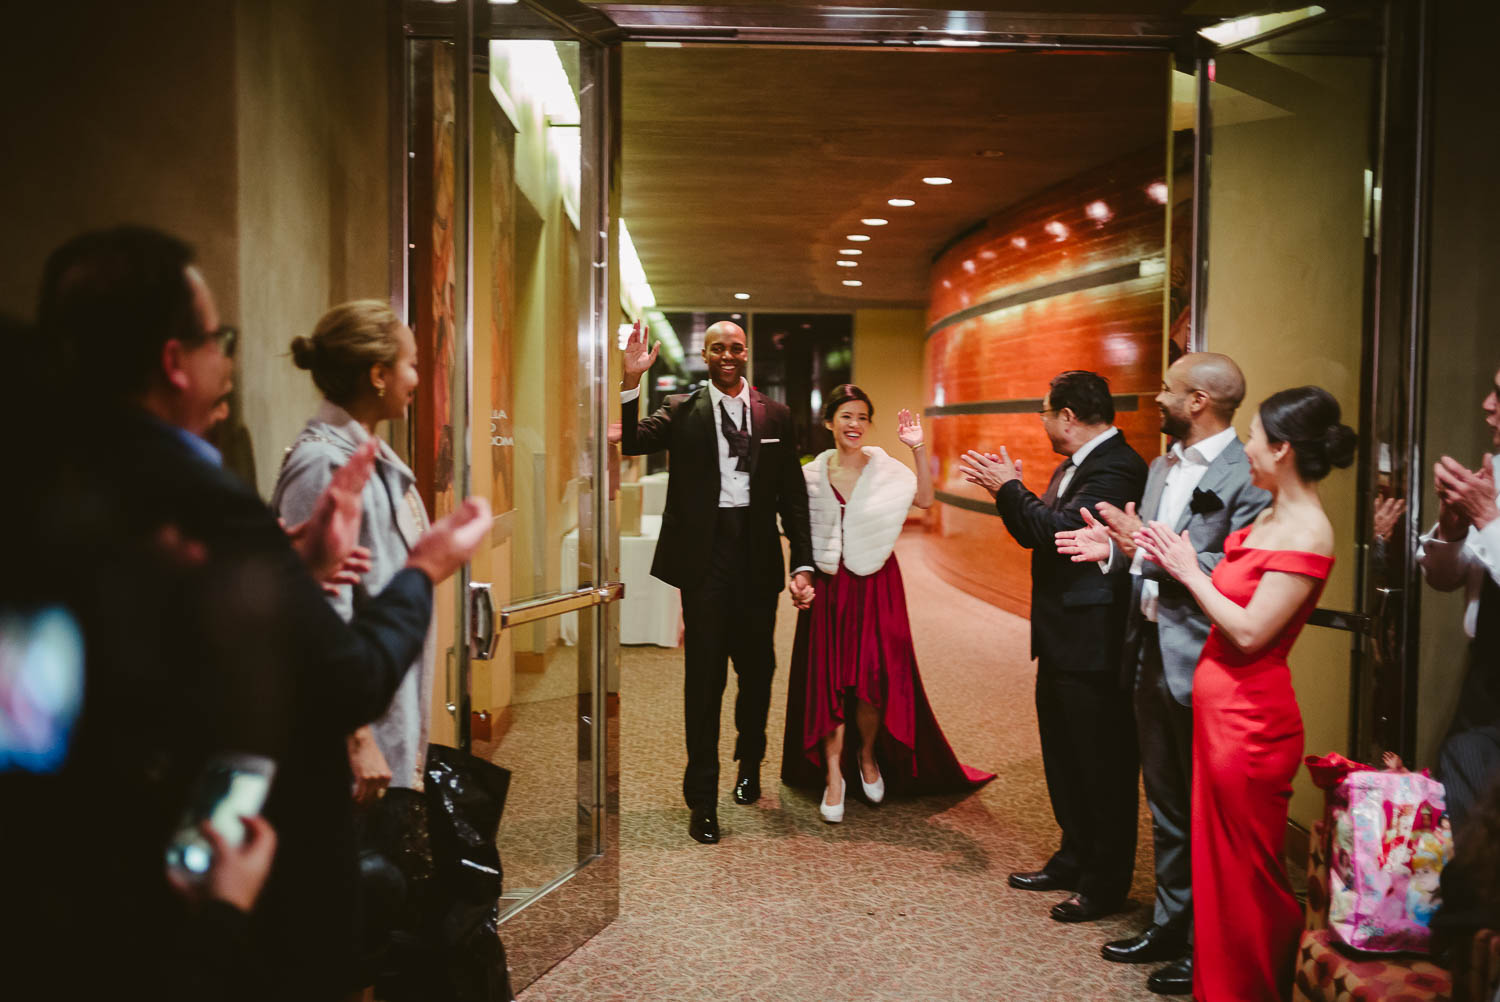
{"x": 738, "y": 439}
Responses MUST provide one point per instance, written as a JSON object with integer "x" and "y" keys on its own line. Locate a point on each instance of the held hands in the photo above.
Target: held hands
{"x": 802, "y": 589}
{"x": 909, "y": 429}
{"x": 988, "y": 470}
{"x": 372, "y": 773}
{"x": 237, "y": 873}
{"x": 450, "y": 543}
{"x": 1087, "y": 545}
{"x": 331, "y": 532}
{"x": 1123, "y": 525}
{"x": 1171, "y": 552}
{"x": 637, "y": 358}
{"x": 1466, "y": 497}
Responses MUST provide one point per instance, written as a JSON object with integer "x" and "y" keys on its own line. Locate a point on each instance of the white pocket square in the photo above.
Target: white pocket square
{"x": 769, "y": 441}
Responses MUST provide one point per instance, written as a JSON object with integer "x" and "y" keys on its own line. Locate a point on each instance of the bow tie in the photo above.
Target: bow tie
{"x": 738, "y": 439}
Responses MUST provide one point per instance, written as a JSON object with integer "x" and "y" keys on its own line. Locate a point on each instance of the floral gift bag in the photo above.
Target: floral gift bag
{"x": 1389, "y": 842}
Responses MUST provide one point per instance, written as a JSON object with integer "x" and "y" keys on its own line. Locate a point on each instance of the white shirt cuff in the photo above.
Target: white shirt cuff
{"x": 626, "y": 396}
{"x": 1488, "y": 550}
{"x": 799, "y": 570}
{"x": 1104, "y": 564}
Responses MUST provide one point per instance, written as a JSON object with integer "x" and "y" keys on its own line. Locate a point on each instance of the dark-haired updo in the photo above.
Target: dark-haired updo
{"x": 841, "y": 395}
{"x": 1307, "y": 419}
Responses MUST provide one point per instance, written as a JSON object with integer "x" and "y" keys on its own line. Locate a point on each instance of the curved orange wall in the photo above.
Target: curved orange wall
{"x": 1073, "y": 278}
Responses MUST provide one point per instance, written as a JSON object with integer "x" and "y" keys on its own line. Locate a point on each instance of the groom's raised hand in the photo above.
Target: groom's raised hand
{"x": 637, "y": 358}
{"x": 1089, "y": 544}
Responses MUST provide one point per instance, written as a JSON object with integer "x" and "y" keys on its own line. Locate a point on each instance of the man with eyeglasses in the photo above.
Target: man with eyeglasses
{"x": 734, "y": 469}
{"x": 1077, "y": 624}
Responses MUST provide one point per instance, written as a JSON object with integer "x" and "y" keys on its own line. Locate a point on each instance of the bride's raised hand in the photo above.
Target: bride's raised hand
{"x": 909, "y": 429}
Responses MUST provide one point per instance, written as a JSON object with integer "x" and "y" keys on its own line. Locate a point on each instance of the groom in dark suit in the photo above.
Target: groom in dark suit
{"x": 1077, "y": 624}
{"x": 1202, "y": 485}
{"x": 734, "y": 468}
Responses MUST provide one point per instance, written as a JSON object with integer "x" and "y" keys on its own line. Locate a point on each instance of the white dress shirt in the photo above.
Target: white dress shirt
{"x": 1185, "y": 469}
{"x": 1447, "y": 564}
{"x": 1076, "y": 460}
{"x": 734, "y": 485}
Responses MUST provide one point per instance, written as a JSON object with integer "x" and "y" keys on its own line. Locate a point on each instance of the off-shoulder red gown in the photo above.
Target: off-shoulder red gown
{"x": 1247, "y": 744}
{"x": 856, "y": 639}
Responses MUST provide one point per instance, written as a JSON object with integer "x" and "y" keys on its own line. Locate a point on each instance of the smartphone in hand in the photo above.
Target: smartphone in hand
{"x": 230, "y": 787}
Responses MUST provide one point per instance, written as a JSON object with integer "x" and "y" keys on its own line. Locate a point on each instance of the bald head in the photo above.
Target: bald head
{"x": 724, "y": 328}
{"x": 1217, "y": 376}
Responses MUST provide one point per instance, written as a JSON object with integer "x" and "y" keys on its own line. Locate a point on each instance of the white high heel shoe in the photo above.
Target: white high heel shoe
{"x": 833, "y": 813}
{"x": 874, "y": 792}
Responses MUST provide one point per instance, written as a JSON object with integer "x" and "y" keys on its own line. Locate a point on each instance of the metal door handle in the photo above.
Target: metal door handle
{"x": 553, "y": 605}
{"x": 482, "y": 621}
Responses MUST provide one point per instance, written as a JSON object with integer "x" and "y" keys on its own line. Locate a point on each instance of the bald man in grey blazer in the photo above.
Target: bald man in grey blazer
{"x": 1202, "y": 485}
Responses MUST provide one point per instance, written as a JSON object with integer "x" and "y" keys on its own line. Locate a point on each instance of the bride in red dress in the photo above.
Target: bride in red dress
{"x": 853, "y": 647}
{"x": 1247, "y": 729}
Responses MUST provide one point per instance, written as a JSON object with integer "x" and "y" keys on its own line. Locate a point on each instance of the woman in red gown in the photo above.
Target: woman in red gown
{"x": 853, "y": 647}
{"x": 1247, "y": 729}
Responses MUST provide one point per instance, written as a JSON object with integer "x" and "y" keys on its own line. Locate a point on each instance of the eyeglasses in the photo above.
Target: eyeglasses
{"x": 227, "y": 338}
{"x": 1046, "y": 410}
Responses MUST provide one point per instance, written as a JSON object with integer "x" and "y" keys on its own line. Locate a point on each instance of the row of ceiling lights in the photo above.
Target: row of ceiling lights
{"x": 848, "y": 252}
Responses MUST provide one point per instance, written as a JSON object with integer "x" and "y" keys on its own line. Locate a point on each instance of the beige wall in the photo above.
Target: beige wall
{"x": 1285, "y": 299}
{"x": 118, "y": 113}
{"x": 1463, "y": 316}
{"x": 313, "y": 134}
{"x": 888, "y": 358}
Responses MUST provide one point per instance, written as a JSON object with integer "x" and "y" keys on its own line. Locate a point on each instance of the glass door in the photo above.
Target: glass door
{"x": 1303, "y": 261}
{"x": 510, "y": 165}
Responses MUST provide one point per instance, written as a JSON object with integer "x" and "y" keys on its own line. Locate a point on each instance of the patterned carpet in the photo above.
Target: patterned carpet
{"x": 906, "y": 901}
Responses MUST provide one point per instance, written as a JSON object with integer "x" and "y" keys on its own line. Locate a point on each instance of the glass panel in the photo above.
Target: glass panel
{"x": 531, "y": 386}
{"x": 1288, "y": 244}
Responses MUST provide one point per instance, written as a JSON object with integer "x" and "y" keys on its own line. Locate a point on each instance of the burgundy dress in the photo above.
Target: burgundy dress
{"x": 856, "y": 639}
{"x": 1247, "y": 745}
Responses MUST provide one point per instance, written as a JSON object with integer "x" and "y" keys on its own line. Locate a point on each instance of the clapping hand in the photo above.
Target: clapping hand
{"x": 637, "y": 358}
{"x": 1387, "y": 512}
{"x": 1467, "y": 497}
{"x": 909, "y": 429}
{"x": 449, "y": 544}
{"x": 1086, "y": 545}
{"x": 1123, "y": 525}
{"x": 988, "y": 470}
{"x": 1171, "y": 552}
{"x": 331, "y": 532}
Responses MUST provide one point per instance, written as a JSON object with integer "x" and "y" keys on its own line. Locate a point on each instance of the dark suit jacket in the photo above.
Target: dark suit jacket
{"x": 1077, "y": 613}
{"x": 249, "y": 656}
{"x": 684, "y": 426}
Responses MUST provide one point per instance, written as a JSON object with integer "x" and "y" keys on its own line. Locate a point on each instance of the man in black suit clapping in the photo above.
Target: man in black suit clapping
{"x": 734, "y": 468}
{"x": 1077, "y": 628}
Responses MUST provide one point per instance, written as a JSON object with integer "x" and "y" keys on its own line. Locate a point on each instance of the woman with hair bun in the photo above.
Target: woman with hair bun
{"x": 853, "y": 654}
{"x": 364, "y": 361}
{"x": 1247, "y": 728}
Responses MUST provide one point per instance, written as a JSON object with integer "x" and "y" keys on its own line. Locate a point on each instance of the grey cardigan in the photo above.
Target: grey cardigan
{"x": 393, "y": 520}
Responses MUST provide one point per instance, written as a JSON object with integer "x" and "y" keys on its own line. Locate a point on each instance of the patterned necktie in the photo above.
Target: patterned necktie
{"x": 1050, "y": 498}
{"x": 738, "y": 439}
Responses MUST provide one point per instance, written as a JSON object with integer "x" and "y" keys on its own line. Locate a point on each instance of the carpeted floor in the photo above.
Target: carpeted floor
{"x": 906, "y": 901}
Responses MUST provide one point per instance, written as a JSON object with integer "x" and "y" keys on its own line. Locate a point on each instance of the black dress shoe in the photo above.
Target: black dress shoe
{"x": 1158, "y": 942}
{"x": 747, "y": 790}
{"x": 1174, "y": 979}
{"x": 1079, "y": 908}
{"x": 705, "y": 826}
{"x": 1040, "y": 880}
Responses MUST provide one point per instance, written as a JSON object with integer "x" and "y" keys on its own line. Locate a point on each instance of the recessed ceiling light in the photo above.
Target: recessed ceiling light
{"x": 847, "y": 264}
{"x": 858, "y": 237}
{"x": 937, "y": 180}
{"x": 876, "y": 221}
{"x": 1156, "y": 189}
{"x": 742, "y": 295}
{"x": 736, "y": 316}
{"x": 851, "y": 251}
{"x": 900, "y": 203}
{"x": 853, "y": 282}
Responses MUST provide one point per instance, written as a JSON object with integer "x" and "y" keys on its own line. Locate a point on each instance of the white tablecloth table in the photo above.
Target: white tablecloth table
{"x": 651, "y": 612}
{"x": 654, "y": 493}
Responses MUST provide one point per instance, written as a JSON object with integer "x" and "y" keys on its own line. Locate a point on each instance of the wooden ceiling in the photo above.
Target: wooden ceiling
{"x": 745, "y": 168}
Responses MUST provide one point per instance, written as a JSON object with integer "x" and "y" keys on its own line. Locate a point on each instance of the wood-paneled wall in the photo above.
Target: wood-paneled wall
{"x": 1074, "y": 278}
